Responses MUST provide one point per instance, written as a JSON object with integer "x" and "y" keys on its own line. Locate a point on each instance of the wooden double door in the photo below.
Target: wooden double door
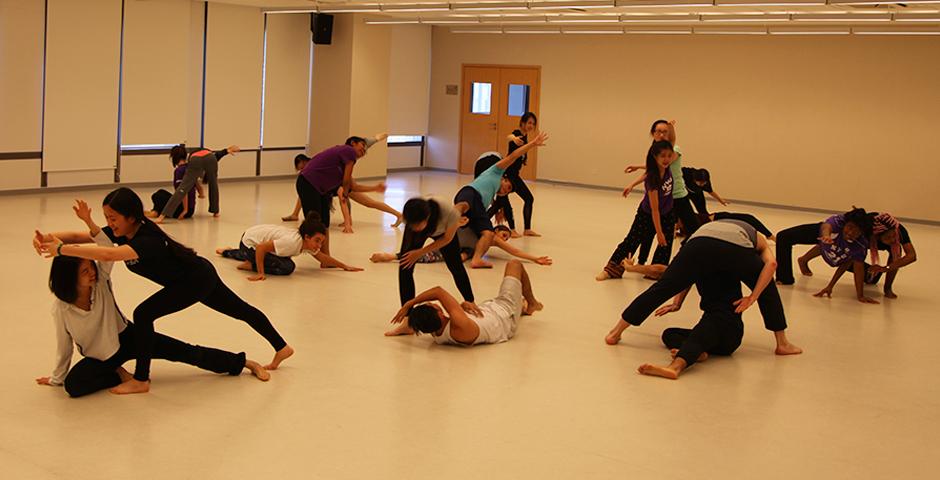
{"x": 493, "y": 99}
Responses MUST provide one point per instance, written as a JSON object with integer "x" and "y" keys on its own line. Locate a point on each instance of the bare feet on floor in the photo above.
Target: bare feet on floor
{"x": 701, "y": 358}
{"x": 280, "y": 356}
{"x": 401, "y": 329}
{"x": 124, "y": 374}
{"x": 804, "y": 267}
{"x": 514, "y": 234}
{"x": 220, "y": 251}
{"x": 658, "y": 371}
{"x": 215, "y": 215}
{"x": 602, "y": 276}
{"x": 788, "y": 349}
{"x": 131, "y": 386}
{"x": 159, "y": 219}
{"x": 480, "y": 264}
{"x": 246, "y": 265}
{"x": 531, "y": 233}
{"x": 613, "y": 337}
{"x": 890, "y": 294}
{"x": 257, "y": 370}
{"x": 532, "y": 307}
{"x": 290, "y": 218}
{"x": 380, "y": 257}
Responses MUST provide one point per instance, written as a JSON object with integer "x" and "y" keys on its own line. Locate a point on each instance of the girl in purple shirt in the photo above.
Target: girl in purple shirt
{"x": 654, "y": 217}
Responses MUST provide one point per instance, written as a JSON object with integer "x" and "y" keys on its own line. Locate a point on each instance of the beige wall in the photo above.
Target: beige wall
{"x": 409, "y": 80}
{"x": 798, "y": 121}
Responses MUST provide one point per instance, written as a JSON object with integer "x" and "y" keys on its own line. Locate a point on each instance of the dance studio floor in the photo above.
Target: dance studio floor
{"x": 863, "y": 400}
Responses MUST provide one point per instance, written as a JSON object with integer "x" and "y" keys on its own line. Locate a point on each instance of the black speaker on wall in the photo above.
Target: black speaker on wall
{"x": 321, "y": 24}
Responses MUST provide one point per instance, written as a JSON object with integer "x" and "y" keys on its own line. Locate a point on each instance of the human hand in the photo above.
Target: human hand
{"x": 44, "y": 381}
{"x": 518, "y": 141}
{"x": 661, "y": 239}
{"x": 827, "y": 240}
{"x": 744, "y": 303}
{"x": 631, "y": 169}
{"x": 380, "y": 187}
{"x": 672, "y": 307}
{"x": 349, "y": 268}
{"x": 402, "y": 312}
{"x": 826, "y": 292}
{"x": 877, "y": 269}
{"x": 543, "y": 261}
{"x": 82, "y": 211}
{"x": 626, "y": 191}
{"x": 865, "y": 299}
{"x": 540, "y": 139}
{"x": 472, "y": 309}
{"x": 50, "y": 246}
{"x": 409, "y": 259}
{"x": 257, "y": 278}
{"x": 38, "y": 239}
{"x": 234, "y": 149}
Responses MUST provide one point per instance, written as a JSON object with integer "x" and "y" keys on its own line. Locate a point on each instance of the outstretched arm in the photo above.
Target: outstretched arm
{"x": 629, "y": 188}
{"x": 766, "y": 275}
{"x": 517, "y": 252}
{"x": 715, "y": 195}
{"x": 533, "y": 144}
{"x": 410, "y": 258}
{"x": 329, "y": 261}
{"x": 840, "y": 270}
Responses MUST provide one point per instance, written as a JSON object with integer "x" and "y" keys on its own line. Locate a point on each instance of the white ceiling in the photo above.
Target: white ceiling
{"x": 619, "y": 16}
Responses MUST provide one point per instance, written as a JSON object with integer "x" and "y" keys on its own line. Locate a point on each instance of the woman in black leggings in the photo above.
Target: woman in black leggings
{"x": 518, "y": 138}
{"x": 436, "y": 219}
{"x": 718, "y": 257}
{"x": 186, "y": 279}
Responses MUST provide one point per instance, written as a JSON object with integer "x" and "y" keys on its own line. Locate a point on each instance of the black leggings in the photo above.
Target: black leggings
{"x": 90, "y": 375}
{"x": 412, "y": 240}
{"x": 204, "y": 286}
{"x": 709, "y": 258}
{"x": 273, "y": 264}
{"x": 698, "y": 200}
{"x": 643, "y": 231}
{"x": 746, "y": 218}
{"x": 799, "y": 235}
{"x": 311, "y": 200}
{"x": 682, "y": 210}
{"x": 717, "y": 333}
{"x": 520, "y": 188}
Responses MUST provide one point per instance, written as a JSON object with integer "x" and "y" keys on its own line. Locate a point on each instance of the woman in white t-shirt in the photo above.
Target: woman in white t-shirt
{"x": 267, "y": 249}
{"x": 86, "y": 314}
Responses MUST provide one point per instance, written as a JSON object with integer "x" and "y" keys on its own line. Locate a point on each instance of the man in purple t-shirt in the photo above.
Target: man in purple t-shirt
{"x": 325, "y": 173}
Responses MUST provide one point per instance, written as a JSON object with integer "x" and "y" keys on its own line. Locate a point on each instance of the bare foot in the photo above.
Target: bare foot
{"x": 398, "y": 221}
{"x": 480, "y": 264}
{"x": 257, "y": 370}
{"x": 215, "y": 215}
{"x": 788, "y": 349}
{"x": 381, "y": 257}
{"x": 151, "y": 214}
{"x": 347, "y": 229}
{"x": 246, "y": 265}
{"x": 280, "y": 356}
{"x": 401, "y": 329}
{"x": 220, "y": 251}
{"x": 658, "y": 371}
{"x": 290, "y": 218}
{"x": 804, "y": 267}
{"x": 890, "y": 294}
{"x": 613, "y": 337}
{"x": 602, "y": 276}
{"x": 159, "y": 219}
{"x": 124, "y": 374}
{"x": 131, "y": 386}
{"x": 532, "y": 307}
{"x": 327, "y": 266}
{"x": 701, "y": 358}
{"x": 531, "y": 233}
{"x": 514, "y": 234}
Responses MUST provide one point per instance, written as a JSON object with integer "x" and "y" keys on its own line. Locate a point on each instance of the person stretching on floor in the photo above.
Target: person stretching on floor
{"x": 718, "y": 257}
{"x": 474, "y": 200}
{"x": 200, "y": 164}
{"x": 448, "y": 323}
{"x": 267, "y": 249}
{"x": 86, "y": 314}
{"x": 468, "y": 241}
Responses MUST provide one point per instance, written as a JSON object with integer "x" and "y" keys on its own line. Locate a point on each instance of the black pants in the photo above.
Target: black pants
{"x": 520, "y": 188}
{"x": 717, "y": 333}
{"x": 311, "y": 200}
{"x": 273, "y": 264}
{"x": 205, "y": 167}
{"x": 90, "y": 375}
{"x": 799, "y": 235}
{"x": 160, "y": 199}
{"x": 682, "y": 210}
{"x": 643, "y": 231}
{"x": 704, "y": 258}
{"x": 201, "y": 285}
{"x": 746, "y": 218}
{"x": 698, "y": 200}
{"x": 412, "y": 240}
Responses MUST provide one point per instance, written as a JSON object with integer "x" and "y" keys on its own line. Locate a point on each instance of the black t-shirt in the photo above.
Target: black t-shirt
{"x": 516, "y": 166}
{"x": 902, "y": 233}
{"x": 155, "y": 261}
{"x": 688, "y": 174}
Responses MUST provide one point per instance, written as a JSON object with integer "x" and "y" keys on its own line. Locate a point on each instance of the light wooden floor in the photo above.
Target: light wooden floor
{"x": 555, "y": 402}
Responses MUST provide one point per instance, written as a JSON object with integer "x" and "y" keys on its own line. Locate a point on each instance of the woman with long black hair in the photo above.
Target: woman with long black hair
{"x": 186, "y": 279}
{"x": 528, "y": 124}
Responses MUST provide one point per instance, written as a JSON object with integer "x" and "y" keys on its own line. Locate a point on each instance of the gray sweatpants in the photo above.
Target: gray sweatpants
{"x": 206, "y": 166}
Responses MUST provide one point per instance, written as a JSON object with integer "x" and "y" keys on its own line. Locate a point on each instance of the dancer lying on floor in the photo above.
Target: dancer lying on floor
{"x": 448, "y": 322}
{"x": 467, "y": 240}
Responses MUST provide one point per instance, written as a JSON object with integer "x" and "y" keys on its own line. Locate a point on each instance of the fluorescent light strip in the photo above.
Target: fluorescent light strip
{"x": 594, "y": 32}
{"x": 661, "y": 32}
{"x": 897, "y": 33}
{"x": 566, "y": 5}
{"x": 476, "y": 31}
{"x": 415, "y": 7}
{"x": 768, "y": 3}
{"x": 490, "y": 6}
{"x": 745, "y": 18}
{"x": 809, "y": 32}
{"x": 577, "y": 19}
{"x": 392, "y": 22}
{"x": 883, "y": 2}
{"x": 532, "y": 32}
{"x": 730, "y": 32}
{"x": 664, "y": 3}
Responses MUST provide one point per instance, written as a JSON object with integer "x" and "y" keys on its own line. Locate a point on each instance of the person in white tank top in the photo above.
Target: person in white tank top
{"x": 437, "y": 312}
